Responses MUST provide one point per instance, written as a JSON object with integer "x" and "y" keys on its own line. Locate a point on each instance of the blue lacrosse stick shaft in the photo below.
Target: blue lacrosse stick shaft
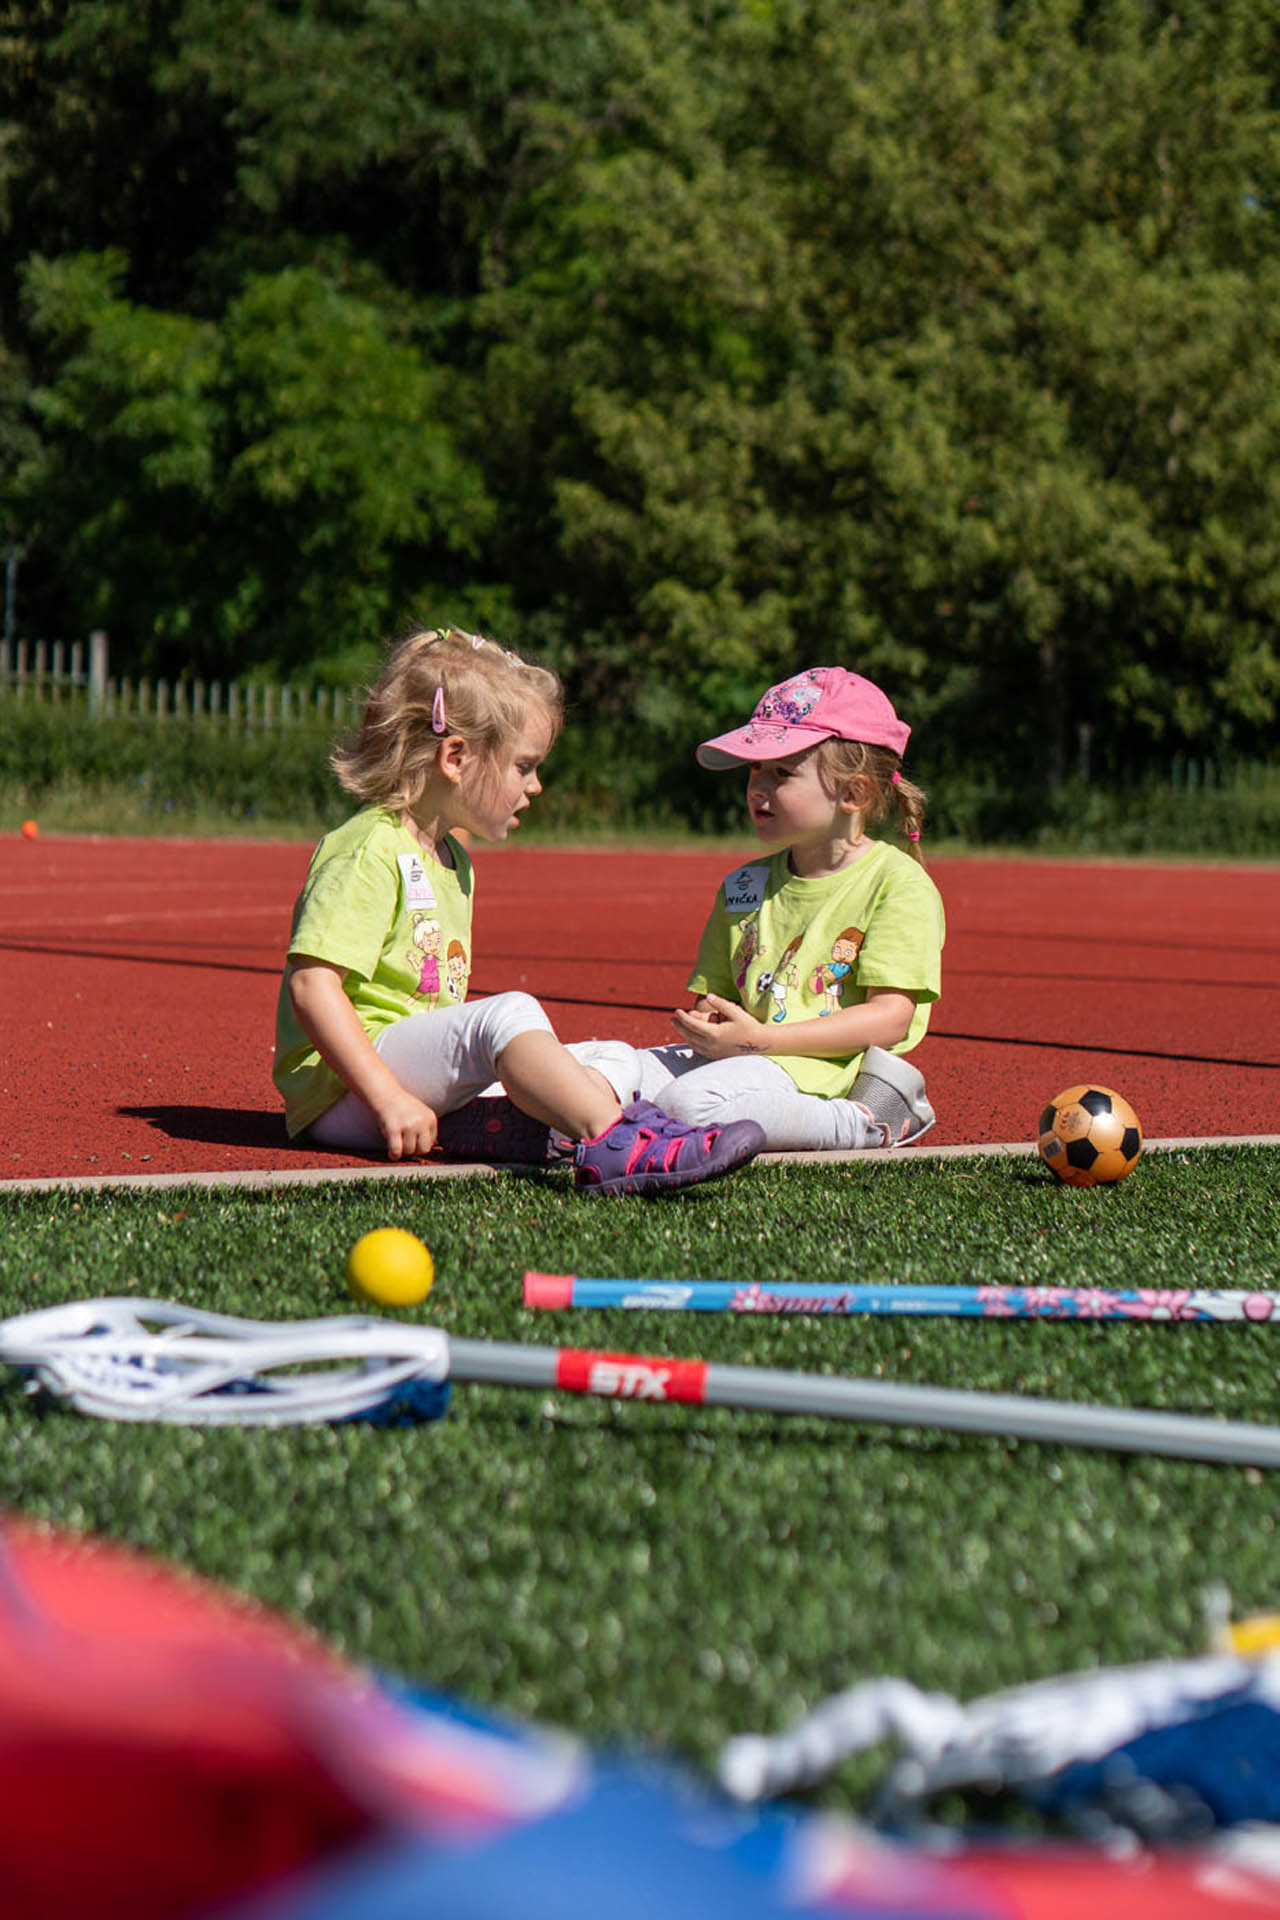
{"x": 550, "y": 1290}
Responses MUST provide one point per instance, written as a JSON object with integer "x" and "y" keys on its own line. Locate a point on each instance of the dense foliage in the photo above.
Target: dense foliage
{"x": 687, "y": 341}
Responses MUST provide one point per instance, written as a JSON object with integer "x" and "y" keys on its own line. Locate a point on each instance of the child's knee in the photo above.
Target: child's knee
{"x": 506, "y": 1016}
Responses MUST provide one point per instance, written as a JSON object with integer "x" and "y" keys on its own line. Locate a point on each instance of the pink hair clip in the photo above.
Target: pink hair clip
{"x": 913, "y": 836}
{"x": 437, "y": 712}
{"x": 895, "y": 776}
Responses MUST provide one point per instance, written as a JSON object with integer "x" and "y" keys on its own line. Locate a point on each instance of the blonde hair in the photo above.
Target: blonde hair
{"x": 840, "y": 761}
{"x": 438, "y": 683}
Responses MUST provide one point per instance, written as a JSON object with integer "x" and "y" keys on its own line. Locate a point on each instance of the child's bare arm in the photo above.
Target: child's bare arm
{"x": 330, "y": 1021}
{"x": 717, "y": 1028}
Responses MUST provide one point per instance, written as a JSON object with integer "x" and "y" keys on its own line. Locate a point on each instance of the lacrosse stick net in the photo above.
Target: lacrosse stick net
{"x": 140, "y": 1360}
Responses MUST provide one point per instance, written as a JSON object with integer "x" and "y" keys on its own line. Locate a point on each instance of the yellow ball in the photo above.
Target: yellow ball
{"x": 390, "y": 1268}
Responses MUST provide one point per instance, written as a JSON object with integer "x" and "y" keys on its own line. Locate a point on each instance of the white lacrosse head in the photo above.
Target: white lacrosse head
{"x": 129, "y": 1359}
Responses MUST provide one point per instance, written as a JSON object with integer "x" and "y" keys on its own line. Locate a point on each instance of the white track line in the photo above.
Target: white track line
{"x": 464, "y": 1169}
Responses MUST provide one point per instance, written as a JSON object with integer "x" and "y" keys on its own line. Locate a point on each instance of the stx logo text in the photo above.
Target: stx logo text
{"x": 629, "y": 1380}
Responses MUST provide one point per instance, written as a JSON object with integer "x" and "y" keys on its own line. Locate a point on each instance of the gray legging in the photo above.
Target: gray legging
{"x": 447, "y": 1057}
{"x": 707, "y": 1093}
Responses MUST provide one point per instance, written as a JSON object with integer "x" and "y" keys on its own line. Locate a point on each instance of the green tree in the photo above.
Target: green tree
{"x": 95, "y": 154}
{"x": 934, "y": 338}
{"x": 416, "y": 129}
{"x": 692, "y": 341}
{"x": 281, "y": 478}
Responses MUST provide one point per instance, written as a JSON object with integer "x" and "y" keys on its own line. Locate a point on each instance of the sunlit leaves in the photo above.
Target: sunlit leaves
{"x": 704, "y": 341}
{"x": 264, "y": 477}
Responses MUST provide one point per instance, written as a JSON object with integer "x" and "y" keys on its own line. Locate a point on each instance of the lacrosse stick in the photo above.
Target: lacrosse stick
{"x": 552, "y": 1290}
{"x": 154, "y": 1360}
{"x": 102, "y": 1358}
{"x": 624, "y": 1376}
{"x": 1102, "y": 1738}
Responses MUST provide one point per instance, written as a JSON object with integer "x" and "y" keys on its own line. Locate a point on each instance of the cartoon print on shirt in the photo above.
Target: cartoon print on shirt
{"x": 748, "y": 949}
{"x": 826, "y": 978}
{"x": 458, "y": 970}
{"x": 425, "y": 955}
{"x": 780, "y": 979}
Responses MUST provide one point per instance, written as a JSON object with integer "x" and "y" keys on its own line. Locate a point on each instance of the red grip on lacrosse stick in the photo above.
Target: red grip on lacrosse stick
{"x": 631, "y": 1376}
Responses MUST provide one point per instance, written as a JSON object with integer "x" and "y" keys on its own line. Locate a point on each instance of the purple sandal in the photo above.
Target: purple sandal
{"x": 646, "y": 1151}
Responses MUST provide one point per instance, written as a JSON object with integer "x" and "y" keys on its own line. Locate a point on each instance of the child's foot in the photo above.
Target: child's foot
{"x": 891, "y": 1092}
{"x": 492, "y": 1127}
{"x": 646, "y": 1151}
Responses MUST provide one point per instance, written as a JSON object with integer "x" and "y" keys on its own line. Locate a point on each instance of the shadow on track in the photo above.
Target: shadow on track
{"x": 220, "y": 1126}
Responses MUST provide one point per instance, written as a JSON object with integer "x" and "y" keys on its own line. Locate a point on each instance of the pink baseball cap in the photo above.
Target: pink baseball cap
{"x": 822, "y": 703}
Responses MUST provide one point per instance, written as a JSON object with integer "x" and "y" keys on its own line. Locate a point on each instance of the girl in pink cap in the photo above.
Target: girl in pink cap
{"x": 819, "y": 962}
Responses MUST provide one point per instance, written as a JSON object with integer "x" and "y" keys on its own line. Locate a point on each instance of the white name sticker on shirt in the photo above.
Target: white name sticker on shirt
{"x": 417, "y": 887}
{"x": 744, "y": 890}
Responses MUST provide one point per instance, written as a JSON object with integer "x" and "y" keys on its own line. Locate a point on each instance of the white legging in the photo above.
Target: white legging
{"x": 706, "y": 1093}
{"x": 445, "y": 1058}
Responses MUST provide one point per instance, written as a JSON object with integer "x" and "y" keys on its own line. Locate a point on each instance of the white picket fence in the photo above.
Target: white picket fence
{"x": 57, "y": 670}
{"x": 49, "y": 670}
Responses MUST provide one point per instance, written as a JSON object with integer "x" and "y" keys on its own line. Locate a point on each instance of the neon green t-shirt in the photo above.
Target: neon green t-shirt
{"x": 398, "y": 924}
{"x": 794, "y": 949}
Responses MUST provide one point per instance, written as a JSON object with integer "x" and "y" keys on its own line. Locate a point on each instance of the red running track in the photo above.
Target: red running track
{"x": 141, "y": 979}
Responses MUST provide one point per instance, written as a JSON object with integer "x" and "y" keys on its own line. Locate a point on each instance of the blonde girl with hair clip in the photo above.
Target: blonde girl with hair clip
{"x": 856, "y": 923}
{"x": 451, "y": 741}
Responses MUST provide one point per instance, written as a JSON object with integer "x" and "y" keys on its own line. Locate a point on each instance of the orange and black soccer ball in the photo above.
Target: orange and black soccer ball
{"x": 1089, "y": 1136}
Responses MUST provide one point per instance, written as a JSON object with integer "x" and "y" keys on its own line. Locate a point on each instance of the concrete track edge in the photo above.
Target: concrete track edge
{"x": 313, "y": 1176}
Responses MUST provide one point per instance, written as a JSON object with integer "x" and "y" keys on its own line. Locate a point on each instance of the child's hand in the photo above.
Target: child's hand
{"x": 409, "y": 1127}
{"x": 718, "y": 1029}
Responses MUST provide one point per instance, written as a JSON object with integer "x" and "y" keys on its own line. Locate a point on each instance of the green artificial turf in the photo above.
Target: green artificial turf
{"x": 670, "y": 1576}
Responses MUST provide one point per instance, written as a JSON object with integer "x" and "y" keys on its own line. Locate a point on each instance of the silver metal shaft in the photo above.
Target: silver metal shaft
{"x": 1121, "y": 1429}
